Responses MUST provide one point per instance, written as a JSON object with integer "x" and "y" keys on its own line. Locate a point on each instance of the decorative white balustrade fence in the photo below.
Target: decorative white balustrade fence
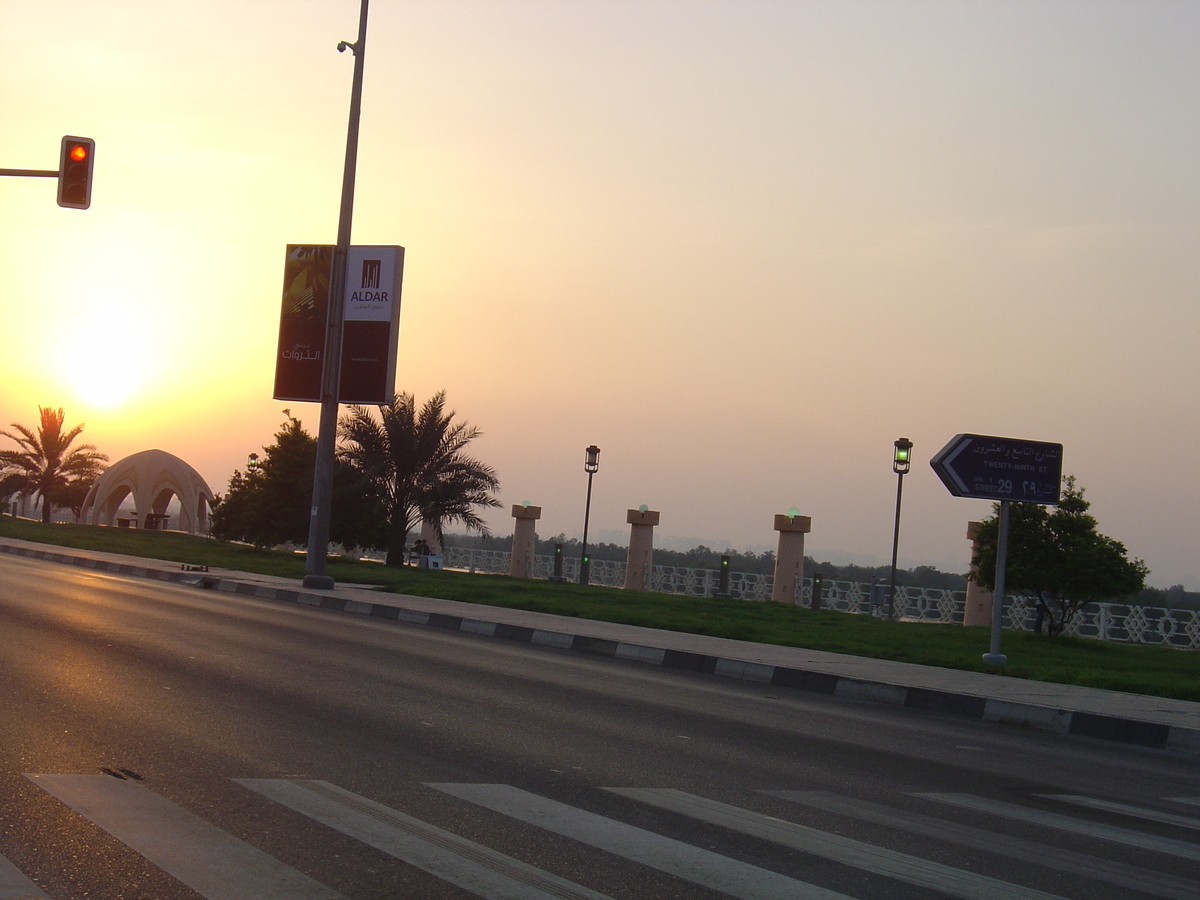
{"x": 1119, "y": 622}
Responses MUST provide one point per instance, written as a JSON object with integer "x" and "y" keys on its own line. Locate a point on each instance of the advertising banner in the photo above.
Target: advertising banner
{"x": 372, "y": 324}
{"x": 298, "y": 360}
{"x": 371, "y": 307}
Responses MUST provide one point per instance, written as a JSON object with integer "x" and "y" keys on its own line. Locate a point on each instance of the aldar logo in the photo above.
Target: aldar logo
{"x": 372, "y": 272}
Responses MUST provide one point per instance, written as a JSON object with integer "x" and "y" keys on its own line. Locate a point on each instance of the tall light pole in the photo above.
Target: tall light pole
{"x": 318, "y": 524}
{"x": 900, "y": 463}
{"x": 591, "y": 465}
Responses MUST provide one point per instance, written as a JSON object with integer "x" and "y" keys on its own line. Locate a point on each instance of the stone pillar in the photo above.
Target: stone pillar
{"x": 978, "y": 608}
{"x": 641, "y": 548}
{"x": 524, "y": 540}
{"x": 789, "y": 560}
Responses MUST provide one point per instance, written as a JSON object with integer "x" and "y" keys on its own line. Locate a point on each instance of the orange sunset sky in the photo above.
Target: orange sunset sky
{"x": 740, "y": 245}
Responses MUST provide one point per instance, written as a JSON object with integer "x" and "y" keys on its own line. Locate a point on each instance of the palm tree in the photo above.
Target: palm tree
{"x": 417, "y": 465}
{"x": 47, "y": 463}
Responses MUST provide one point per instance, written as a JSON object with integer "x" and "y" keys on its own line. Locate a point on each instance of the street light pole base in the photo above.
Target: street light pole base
{"x": 319, "y": 582}
{"x": 995, "y": 659}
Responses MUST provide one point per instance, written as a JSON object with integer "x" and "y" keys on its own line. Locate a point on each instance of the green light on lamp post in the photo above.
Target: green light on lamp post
{"x": 901, "y": 460}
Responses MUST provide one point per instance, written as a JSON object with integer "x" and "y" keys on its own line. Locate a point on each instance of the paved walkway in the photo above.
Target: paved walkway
{"x": 1063, "y": 709}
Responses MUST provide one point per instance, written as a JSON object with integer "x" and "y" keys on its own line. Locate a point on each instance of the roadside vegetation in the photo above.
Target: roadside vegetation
{"x": 1156, "y": 671}
{"x": 1059, "y": 557}
{"x": 49, "y": 463}
{"x": 397, "y": 466}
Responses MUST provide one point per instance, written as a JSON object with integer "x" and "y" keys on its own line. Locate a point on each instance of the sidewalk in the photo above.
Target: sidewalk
{"x": 1062, "y": 709}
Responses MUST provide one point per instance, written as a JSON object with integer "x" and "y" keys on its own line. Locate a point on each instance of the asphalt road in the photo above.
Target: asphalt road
{"x": 162, "y": 742}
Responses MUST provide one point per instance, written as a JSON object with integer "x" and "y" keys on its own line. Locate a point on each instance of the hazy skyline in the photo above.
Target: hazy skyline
{"x": 741, "y": 246}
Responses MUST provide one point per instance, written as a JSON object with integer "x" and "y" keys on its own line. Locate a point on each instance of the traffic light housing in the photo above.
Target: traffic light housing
{"x": 75, "y": 172}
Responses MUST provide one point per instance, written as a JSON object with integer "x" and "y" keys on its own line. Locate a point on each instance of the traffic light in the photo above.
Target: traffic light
{"x": 75, "y": 172}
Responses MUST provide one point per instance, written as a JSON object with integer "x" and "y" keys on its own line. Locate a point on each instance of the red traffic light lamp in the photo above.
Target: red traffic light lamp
{"x": 75, "y": 172}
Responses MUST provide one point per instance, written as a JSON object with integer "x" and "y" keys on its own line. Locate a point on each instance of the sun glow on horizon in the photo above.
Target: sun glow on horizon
{"x": 104, "y": 362}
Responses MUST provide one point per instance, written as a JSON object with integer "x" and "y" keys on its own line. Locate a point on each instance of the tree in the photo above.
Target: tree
{"x": 270, "y": 503}
{"x": 418, "y": 467}
{"x": 1059, "y": 556}
{"x": 9, "y": 484}
{"x": 48, "y": 465}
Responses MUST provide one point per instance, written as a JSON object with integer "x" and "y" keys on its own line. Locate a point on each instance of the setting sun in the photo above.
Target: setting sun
{"x": 102, "y": 362}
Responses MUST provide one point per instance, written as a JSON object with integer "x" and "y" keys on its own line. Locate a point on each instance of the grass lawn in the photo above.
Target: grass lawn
{"x": 1158, "y": 671}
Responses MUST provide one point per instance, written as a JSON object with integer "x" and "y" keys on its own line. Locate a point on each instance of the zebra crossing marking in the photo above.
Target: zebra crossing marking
{"x": 219, "y": 866}
{"x": 1113, "y": 833}
{"x": 461, "y": 862}
{"x": 210, "y": 861}
{"x": 1140, "y": 812}
{"x": 14, "y": 885}
{"x": 1059, "y": 859}
{"x": 703, "y": 867}
{"x": 860, "y": 855}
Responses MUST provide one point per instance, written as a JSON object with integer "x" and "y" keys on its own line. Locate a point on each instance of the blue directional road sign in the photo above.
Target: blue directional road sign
{"x": 999, "y": 468}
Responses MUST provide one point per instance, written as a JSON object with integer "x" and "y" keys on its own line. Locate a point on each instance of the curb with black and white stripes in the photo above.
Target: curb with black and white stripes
{"x": 969, "y": 706}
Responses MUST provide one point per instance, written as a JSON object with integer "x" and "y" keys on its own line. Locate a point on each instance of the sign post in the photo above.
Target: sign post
{"x": 1005, "y": 469}
{"x": 994, "y": 657}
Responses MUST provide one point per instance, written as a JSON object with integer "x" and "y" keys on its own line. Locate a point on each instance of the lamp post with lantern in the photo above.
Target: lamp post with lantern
{"x": 900, "y": 464}
{"x": 591, "y": 465}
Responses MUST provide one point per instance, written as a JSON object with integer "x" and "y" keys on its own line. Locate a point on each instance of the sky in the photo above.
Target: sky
{"x": 740, "y": 245}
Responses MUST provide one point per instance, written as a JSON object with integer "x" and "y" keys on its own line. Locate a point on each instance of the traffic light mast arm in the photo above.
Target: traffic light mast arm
{"x": 74, "y": 173}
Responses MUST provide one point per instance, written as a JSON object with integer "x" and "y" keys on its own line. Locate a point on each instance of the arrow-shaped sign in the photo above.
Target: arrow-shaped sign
{"x": 998, "y": 468}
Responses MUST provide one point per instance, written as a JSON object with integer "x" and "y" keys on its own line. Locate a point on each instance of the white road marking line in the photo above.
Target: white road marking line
{"x": 1057, "y": 858}
{"x": 1190, "y": 801}
{"x": 867, "y": 857}
{"x": 703, "y": 867}
{"x": 1112, "y": 833}
{"x": 211, "y": 862}
{"x": 1140, "y": 812}
{"x": 14, "y": 885}
{"x": 461, "y": 862}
